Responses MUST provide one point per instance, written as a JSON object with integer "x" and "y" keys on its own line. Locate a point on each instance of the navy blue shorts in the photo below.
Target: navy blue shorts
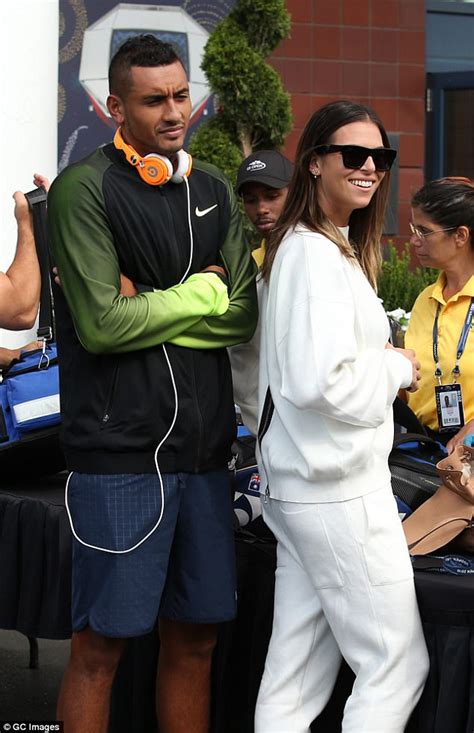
{"x": 184, "y": 571}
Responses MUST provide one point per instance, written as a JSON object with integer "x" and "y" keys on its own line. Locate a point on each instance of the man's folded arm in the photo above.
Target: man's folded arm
{"x": 105, "y": 321}
{"x": 238, "y": 323}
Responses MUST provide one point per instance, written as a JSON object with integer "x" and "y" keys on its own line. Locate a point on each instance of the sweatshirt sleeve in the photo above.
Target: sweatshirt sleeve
{"x": 325, "y": 365}
{"x": 84, "y": 252}
{"x": 238, "y": 323}
{"x": 244, "y": 361}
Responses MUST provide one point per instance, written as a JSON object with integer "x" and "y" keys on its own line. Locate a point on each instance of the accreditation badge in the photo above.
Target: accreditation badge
{"x": 449, "y": 407}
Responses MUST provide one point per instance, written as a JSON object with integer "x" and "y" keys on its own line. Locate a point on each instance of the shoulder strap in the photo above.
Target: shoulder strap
{"x": 424, "y": 440}
{"x": 37, "y": 202}
{"x": 404, "y": 415}
{"x": 267, "y": 414}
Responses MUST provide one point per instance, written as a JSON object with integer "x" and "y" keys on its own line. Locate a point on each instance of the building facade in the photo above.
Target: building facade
{"x": 411, "y": 60}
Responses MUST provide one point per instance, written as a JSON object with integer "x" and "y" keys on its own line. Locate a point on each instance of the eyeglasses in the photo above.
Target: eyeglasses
{"x": 421, "y": 235}
{"x": 354, "y": 156}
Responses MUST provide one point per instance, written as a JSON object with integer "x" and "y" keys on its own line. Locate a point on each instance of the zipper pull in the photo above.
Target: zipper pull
{"x": 267, "y": 495}
{"x": 231, "y": 464}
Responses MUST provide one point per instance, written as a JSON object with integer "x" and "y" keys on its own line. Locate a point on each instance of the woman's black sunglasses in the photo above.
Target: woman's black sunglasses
{"x": 354, "y": 156}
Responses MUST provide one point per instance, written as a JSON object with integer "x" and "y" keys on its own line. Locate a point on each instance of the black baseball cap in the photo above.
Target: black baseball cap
{"x": 265, "y": 166}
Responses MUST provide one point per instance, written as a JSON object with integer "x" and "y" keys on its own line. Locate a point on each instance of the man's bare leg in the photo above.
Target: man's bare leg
{"x": 184, "y": 676}
{"x": 84, "y": 697}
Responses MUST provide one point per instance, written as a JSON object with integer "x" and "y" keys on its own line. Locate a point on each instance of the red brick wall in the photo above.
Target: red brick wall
{"x": 372, "y": 51}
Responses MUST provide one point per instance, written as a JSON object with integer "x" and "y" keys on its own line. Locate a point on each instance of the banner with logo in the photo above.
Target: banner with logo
{"x": 91, "y": 31}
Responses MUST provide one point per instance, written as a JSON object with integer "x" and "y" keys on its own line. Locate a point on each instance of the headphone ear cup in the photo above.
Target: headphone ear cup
{"x": 155, "y": 169}
{"x": 185, "y": 163}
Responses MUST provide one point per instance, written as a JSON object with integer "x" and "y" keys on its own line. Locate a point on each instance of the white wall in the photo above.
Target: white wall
{"x": 28, "y": 112}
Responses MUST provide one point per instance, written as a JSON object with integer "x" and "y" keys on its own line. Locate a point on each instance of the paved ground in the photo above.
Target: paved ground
{"x": 29, "y": 694}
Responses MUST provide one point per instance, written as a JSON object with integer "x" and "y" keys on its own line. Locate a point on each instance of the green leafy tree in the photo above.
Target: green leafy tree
{"x": 399, "y": 285}
{"x": 254, "y": 111}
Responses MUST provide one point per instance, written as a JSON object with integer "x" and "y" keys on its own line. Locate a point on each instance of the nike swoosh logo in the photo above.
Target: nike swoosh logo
{"x": 198, "y": 211}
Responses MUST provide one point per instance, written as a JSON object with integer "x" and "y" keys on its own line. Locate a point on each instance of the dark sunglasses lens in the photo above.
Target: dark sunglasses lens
{"x": 383, "y": 159}
{"x": 355, "y": 157}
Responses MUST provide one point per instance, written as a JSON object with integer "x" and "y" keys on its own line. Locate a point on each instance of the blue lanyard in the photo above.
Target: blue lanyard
{"x": 461, "y": 344}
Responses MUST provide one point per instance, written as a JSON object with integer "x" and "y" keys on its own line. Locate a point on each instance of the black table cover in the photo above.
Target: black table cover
{"x": 447, "y": 611}
{"x": 35, "y": 559}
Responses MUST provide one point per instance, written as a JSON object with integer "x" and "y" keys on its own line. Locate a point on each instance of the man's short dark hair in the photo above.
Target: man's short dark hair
{"x": 142, "y": 50}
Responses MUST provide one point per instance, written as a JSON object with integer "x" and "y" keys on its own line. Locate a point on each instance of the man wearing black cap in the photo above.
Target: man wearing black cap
{"x": 262, "y": 181}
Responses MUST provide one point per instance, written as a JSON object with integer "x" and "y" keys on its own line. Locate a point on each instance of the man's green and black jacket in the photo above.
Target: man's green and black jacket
{"x": 118, "y": 396}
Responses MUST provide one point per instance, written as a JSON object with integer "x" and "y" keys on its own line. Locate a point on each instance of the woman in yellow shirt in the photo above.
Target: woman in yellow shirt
{"x": 441, "y": 329}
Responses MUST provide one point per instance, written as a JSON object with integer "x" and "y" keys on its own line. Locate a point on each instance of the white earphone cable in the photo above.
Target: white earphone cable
{"x": 168, "y": 432}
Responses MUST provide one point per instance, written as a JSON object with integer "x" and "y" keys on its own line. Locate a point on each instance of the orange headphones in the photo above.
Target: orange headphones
{"x": 153, "y": 168}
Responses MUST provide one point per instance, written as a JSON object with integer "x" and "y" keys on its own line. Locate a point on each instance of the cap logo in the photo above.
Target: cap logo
{"x": 256, "y": 165}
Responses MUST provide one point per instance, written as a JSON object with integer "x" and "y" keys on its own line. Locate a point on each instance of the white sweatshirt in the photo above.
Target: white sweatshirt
{"x": 332, "y": 380}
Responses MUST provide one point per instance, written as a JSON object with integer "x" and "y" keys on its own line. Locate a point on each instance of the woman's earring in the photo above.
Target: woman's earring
{"x": 315, "y": 174}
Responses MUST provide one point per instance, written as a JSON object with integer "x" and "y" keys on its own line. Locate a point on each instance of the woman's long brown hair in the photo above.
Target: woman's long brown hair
{"x": 302, "y": 207}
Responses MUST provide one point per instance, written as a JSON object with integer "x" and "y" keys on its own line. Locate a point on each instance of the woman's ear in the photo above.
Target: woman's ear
{"x": 314, "y": 167}
{"x": 462, "y": 236}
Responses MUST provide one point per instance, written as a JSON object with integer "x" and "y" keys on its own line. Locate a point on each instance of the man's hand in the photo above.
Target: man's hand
{"x": 40, "y": 180}
{"x": 127, "y": 287}
{"x": 458, "y": 439}
{"x": 217, "y": 269}
{"x": 8, "y": 355}
{"x": 56, "y": 277}
{"x": 22, "y": 210}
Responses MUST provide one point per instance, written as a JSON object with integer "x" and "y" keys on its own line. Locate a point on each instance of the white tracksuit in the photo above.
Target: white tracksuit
{"x": 344, "y": 582}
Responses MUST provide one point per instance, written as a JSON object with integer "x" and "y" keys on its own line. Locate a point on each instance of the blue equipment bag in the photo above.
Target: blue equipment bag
{"x": 29, "y": 394}
{"x": 412, "y": 463}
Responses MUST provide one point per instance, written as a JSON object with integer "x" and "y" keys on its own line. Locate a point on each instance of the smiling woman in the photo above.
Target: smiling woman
{"x": 330, "y": 377}
{"x": 350, "y": 185}
{"x": 442, "y": 322}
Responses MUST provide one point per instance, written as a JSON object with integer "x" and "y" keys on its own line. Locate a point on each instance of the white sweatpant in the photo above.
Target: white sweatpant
{"x": 343, "y": 585}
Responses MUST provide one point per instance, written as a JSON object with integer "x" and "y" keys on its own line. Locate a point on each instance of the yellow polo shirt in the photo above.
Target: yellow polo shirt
{"x": 419, "y": 337}
{"x": 259, "y": 253}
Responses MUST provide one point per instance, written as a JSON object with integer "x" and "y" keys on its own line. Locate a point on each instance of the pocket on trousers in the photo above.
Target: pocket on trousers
{"x": 384, "y": 546}
{"x": 305, "y": 528}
